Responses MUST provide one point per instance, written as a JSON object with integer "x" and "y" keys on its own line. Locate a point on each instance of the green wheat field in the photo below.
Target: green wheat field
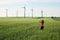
{"x": 29, "y": 29}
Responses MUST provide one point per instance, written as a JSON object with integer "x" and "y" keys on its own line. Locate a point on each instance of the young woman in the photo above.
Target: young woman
{"x": 42, "y": 24}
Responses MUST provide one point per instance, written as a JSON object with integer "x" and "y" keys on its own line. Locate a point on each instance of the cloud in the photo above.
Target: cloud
{"x": 45, "y": 0}
{"x": 10, "y": 1}
{"x": 21, "y": 1}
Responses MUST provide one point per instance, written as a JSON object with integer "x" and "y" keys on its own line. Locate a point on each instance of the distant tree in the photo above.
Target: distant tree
{"x": 55, "y": 17}
{"x": 38, "y": 17}
{"x": 52, "y": 17}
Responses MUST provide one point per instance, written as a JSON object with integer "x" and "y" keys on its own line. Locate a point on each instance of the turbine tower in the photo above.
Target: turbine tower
{"x": 24, "y": 11}
{"x": 42, "y": 13}
{"x": 6, "y": 12}
{"x": 32, "y": 12}
{"x": 17, "y": 13}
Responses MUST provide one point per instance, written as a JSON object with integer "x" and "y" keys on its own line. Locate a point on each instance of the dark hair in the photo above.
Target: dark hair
{"x": 42, "y": 21}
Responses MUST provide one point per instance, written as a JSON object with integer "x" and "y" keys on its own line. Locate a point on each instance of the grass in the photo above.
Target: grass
{"x": 28, "y": 29}
{"x": 57, "y": 18}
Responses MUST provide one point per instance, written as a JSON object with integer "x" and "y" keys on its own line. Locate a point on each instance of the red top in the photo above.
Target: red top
{"x": 41, "y": 24}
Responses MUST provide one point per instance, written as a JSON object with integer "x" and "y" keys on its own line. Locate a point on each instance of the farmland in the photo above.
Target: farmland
{"x": 28, "y": 29}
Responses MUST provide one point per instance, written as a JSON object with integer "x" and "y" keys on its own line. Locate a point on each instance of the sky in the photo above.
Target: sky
{"x": 49, "y": 7}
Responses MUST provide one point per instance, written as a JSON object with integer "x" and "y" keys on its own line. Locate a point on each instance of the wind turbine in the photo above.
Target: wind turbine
{"x": 6, "y": 12}
{"x": 24, "y": 10}
{"x": 17, "y": 13}
{"x": 42, "y": 13}
{"x": 32, "y": 12}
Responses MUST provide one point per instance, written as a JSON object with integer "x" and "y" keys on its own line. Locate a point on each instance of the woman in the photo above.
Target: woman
{"x": 42, "y": 24}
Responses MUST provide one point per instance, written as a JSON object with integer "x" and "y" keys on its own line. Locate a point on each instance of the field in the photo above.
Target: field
{"x": 28, "y": 29}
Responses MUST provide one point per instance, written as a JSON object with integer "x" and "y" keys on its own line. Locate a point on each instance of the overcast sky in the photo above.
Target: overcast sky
{"x": 50, "y": 7}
